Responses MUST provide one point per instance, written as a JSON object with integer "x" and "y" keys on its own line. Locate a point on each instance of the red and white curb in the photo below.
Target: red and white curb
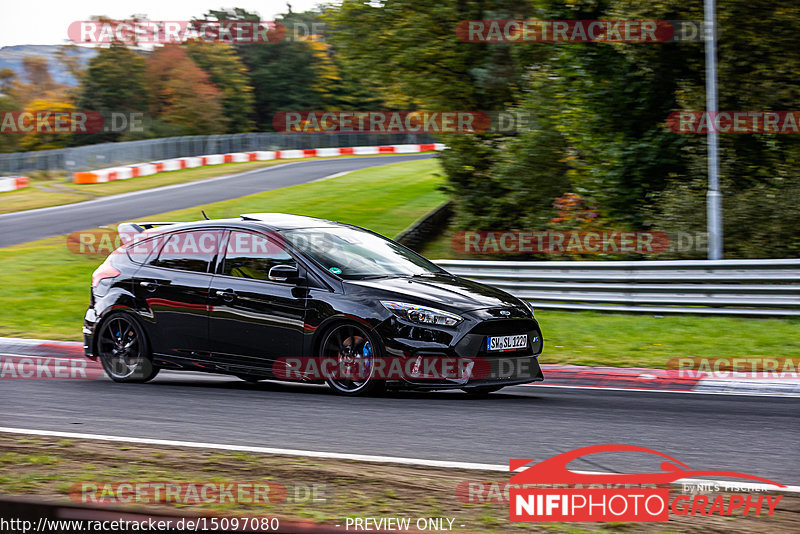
{"x": 39, "y": 347}
{"x": 176, "y": 164}
{"x": 12, "y": 350}
{"x": 668, "y": 380}
{"x": 35, "y": 359}
{"x": 12, "y": 183}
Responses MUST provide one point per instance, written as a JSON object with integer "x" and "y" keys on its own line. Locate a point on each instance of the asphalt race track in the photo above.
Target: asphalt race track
{"x": 755, "y": 435}
{"x": 30, "y": 225}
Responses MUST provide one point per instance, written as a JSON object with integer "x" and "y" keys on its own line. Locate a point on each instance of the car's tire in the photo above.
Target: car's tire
{"x": 355, "y": 350}
{"x": 123, "y": 350}
{"x": 481, "y": 391}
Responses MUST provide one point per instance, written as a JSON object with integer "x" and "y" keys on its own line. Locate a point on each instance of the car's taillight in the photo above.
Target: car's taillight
{"x": 106, "y": 270}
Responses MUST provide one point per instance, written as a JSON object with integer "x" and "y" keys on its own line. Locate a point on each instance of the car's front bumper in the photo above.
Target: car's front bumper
{"x": 466, "y": 343}
{"x": 89, "y": 323}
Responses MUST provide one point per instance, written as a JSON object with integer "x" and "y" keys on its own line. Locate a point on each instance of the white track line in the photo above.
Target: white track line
{"x": 331, "y": 176}
{"x": 263, "y": 450}
{"x": 344, "y": 456}
{"x": 652, "y": 390}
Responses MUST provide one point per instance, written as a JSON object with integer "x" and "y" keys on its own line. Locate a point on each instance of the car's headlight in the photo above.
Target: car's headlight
{"x": 422, "y": 314}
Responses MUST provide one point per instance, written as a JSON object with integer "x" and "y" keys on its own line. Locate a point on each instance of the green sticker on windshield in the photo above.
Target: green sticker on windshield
{"x": 335, "y": 270}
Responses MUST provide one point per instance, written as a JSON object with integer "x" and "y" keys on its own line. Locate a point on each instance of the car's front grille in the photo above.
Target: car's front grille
{"x": 504, "y": 327}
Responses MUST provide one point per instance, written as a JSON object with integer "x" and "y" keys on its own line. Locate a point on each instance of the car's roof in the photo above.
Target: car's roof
{"x": 268, "y": 221}
{"x": 286, "y": 221}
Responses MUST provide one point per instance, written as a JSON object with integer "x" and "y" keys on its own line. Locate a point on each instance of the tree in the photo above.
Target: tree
{"x": 39, "y": 93}
{"x": 9, "y": 142}
{"x": 67, "y": 56}
{"x": 290, "y": 75}
{"x": 230, "y": 76}
{"x": 300, "y": 72}
{"x": 7, "y": 78}
{"x": 759, "y": 172}
{"x": 182, "y": 93}
{"x": 37, "y": 71}
{"x": 40, "y": 138}
{"x": 408, "y": 53}
{"x": 114, "y": 82}
{"x": 409, "y": 49}
{"x": 37, "y": 82}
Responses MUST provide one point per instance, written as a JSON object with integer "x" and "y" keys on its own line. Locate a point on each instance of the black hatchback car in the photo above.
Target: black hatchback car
{"x": 285, "y": 297}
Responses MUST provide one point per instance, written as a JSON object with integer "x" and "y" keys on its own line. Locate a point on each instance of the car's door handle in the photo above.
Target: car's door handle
{"x": 228, "y": 295}
{"x": 152, "y": 285}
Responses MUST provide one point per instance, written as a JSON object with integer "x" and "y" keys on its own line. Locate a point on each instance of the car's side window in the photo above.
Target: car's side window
{"x": 251, "y": 255}
{"x": 140, "y": 251}
{"x": 189, "y": 251}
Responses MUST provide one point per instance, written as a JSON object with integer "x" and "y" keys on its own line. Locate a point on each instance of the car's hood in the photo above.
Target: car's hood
{"x": 444, "y": 291}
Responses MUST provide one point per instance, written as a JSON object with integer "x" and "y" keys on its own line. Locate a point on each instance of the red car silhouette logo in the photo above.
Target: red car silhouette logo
{"x": 554, "y": 470}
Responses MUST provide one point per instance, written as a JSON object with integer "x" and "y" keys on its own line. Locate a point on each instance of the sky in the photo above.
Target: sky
{"x": 37, "y": 22}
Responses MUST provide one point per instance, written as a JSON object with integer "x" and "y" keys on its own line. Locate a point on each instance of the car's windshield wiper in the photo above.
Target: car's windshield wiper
{"x": 395, "y": 275}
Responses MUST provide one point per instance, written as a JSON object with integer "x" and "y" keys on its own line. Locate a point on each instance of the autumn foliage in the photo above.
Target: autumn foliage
{"x": 181, "y": 93}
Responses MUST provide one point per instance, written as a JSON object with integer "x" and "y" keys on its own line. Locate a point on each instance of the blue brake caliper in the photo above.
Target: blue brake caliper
{"x": 366, "y": 353}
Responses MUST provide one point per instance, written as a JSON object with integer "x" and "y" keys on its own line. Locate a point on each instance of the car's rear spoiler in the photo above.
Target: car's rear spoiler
{"x": 126, "y": 230}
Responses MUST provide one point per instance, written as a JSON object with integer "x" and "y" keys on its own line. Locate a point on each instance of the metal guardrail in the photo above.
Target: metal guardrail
{"x": 723, "y": 287}
{"x": 90, "y": 157}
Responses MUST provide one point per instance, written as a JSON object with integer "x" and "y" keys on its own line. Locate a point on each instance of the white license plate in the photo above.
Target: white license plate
{"x": 506, "y": 342}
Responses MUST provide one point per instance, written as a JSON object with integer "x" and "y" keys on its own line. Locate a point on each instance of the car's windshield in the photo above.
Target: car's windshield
{"x": 357, "y": 254}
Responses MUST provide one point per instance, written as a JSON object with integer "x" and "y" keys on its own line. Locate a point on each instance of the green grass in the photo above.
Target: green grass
{"x": 385, "y": 199}
{"x": 56, "y": 190}
{"x": 45, "y": 288}
{"x": 618, "y": 340}
{"x": 441, "y": 247}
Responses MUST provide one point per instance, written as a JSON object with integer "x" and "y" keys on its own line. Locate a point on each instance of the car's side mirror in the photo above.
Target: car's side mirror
{"x": 284, "y": 273}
